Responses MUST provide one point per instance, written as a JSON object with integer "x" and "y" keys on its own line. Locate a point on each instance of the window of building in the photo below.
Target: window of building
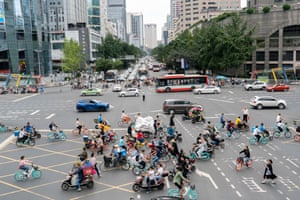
{"x": 188, "y": 13}
{"x": 187, "y": 0}
{"x": 34, "y": 36}
{"x": 188, "y": 19}
{"x": 287, "y": 56}
{"x": 291, "y": 31}
{"x": 195, "y": 18}
{"x": 204, "y": 3}
{"x": 2, "y": 35}
{"x": 297, "y": 55}
{"x": 260, "y": 56}
{"x": 260, "y": 66}
{"x": 20, "y": 35}
{"x": 211, "y": 3}
{"x": 57, "y": 46}
{"x": 188, "y": 9}
{"x": 272, "y": 66}
{"x": 274, "y": 43}
{"x": 195, "y": 8}
{"x": 195, "y": 4}
{"x": 260, "y": 43}
{"x": 21, "y": 54}
{"x": 275, "y": 34}
{"x": 273, "y": 56}
{"x": 188, "y": 5}
{"x": 187, "y": 25}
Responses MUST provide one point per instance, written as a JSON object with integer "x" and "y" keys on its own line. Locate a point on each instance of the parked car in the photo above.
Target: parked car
{"x": 91, "y": 105}
{"x": 278, "y": 88}
{"x": 256, "y": 85}
{"x": 178, "y": 106}
{"x": 207, "y": 89}
{"x": 261, "y": 102}
{"x": 130, "y": 92}
{"x": 117, "y": 88}
{"x": 91, "y": 91}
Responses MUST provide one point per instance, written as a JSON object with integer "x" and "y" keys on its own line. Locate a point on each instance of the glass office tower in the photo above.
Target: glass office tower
{"x": 24, "y": 41}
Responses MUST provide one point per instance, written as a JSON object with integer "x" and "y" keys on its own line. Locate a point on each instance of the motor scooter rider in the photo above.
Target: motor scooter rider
{"x": 28, "y": 128}
{"x": 178, "y": 181}
{"x": 201, "y": 147}
{"x": 150, "y": 178}
{"x": 245, "y": 155}
{"x": 77, "y": 170}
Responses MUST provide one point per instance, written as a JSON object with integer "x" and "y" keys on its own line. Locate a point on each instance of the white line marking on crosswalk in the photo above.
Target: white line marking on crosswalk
{"x": 35, "y": 112}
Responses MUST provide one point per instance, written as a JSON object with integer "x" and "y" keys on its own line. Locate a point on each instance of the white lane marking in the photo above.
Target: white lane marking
{"x": 222, "y": 173}
{"x": 233, "y": 187}
{"x": 35, "y": 112}
{"x": 279, "y": 191}
{"x": 50, "y": 116}
{"x": 6, "y": 142}
{"x": 268, "y": 145}
{"x": 227, "y": 179}
{"x": 70, "y": 130}
{"x": 23, "y": 98}
{"x": 239, "y": 194}
{"x": 230, "y": 92}
{"x": 294, "y": 172}
{"x": 201, "y": 173}
{"x": 292, "y": 163}
{"x": 225, "y": 101}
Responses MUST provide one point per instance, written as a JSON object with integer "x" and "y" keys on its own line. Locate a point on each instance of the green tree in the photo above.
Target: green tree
{"x": 236, "y": 44}
{"x": 73, "y": 56}
{"x": 266, "y": 9}
{"x": 250, "y": 11}
{"x": 107, "y": 64}
{"x": 286, "y": 7}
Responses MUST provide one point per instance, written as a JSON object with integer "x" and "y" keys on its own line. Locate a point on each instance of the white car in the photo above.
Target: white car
{"x": 117, "y": 88}
{"x": 256, "y": 85}
{"x": 130, "y": 92}
{"x": 208, "y": 89}
{"x": 261, "y": 102}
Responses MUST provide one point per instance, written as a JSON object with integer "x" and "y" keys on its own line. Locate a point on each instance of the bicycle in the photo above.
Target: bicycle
{"x": 262, "y": 140}
{"x": 34, "y": 172}
{"x": 84, "y": 131}
{"x": 189, "y": 191}
{"x": 235, "y": 133}
{"x": 285, "y": 131}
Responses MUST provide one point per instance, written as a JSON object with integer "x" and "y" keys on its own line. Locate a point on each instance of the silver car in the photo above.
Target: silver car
{"x": 208, "y": 89}
{"x": 261, "y": 102}
{"x": 130, "y": 92}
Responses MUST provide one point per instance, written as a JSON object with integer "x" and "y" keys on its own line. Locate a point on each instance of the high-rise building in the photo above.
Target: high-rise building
{"x": 116, "y": 13}
{"x": 68, "y": 19}
{"x": 24, "y": 40}
{"x": 195, "y": 11}
{"x": 97, "y": 15}
{"x": 150, "y": 36}
{"x": 135, "y": 26}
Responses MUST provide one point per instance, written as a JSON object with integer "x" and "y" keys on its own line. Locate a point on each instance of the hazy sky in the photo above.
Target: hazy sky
{"x": 154, "y": 11}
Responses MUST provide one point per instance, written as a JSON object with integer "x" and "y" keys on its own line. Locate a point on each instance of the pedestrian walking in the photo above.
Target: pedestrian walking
{"x": 94, "y": 163}
{"x": 269, "y": 174}
{"x": 245, "y": 114}
{"x": 144, "y": 97}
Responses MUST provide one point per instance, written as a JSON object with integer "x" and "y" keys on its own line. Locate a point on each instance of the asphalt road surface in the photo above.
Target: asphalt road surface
{"x": 214, "y": 179}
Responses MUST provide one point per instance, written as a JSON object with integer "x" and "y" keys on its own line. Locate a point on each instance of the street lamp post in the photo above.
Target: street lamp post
{"x": 38, "y": 57}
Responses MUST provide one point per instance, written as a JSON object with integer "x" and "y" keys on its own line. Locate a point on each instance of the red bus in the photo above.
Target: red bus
{"x": 180, "y": 82}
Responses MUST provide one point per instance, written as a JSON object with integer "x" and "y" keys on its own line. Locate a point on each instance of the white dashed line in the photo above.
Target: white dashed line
{"x": 50, "y": 116}
{"x": 239, "y": 194}
{"x": 35, "y": 112}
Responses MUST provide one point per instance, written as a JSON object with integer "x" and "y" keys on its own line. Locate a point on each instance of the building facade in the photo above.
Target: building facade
{"x": 277, "y": 35}
{"x": 150, "y": 36}
{"x": 116, "y": 13}
{"x": 97, "y": 15}
{"x": 193, "y": 11}
{"x": 24, "y": 39}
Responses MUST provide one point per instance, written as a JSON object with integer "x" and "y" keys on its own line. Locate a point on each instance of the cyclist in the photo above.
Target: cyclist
{"x": 178, "y": 181}
{"x": 278, "y": 118}
{"x": 23, "y": 136}
{"x": 246, "y": 155}
{"x": 23, "y": 164}
{"x": 256, "y": 133}
{"x": 263, "y": 130}
{"x": 230, "y": 127}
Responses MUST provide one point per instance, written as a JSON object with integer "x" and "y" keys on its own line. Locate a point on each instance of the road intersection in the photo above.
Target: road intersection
{"x": 214, "y": 179}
